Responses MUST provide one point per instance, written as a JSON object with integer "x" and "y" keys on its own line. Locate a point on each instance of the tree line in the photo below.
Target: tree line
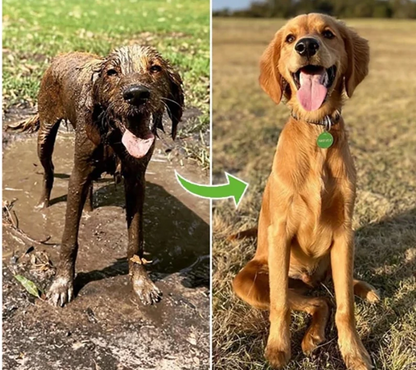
{"x": 340, "y": 8}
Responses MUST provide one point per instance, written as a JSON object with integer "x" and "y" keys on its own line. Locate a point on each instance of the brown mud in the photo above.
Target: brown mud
{"x": 105, "y": 327}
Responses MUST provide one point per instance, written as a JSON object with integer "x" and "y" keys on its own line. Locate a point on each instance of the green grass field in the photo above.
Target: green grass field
{"x": 35, "y": 31}
{"x": 381, "y": 117}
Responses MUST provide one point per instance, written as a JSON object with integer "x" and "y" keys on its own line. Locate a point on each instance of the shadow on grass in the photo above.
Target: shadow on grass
{"x": 386, "y": 248}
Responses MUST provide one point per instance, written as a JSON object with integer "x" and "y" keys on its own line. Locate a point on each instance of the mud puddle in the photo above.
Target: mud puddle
{"x": 105, "y": 327}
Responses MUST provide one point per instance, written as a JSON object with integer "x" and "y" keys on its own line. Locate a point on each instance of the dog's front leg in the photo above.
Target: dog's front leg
{"x": 62, "y": 288}
{"x": 278, "y": 343}
{"x": 134, "y": 184}
{"x": 342, "y": 260}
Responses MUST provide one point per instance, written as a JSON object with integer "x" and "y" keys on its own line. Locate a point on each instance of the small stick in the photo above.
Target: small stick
{"x": 24, "y": 235}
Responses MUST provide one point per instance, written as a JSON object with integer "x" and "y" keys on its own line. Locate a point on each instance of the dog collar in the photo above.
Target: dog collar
{"x": 328, "y": 121}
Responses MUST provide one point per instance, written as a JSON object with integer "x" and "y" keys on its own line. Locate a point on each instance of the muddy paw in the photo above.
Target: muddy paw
{"x": 147, "y": 291}
{"x": 43, "y": 204}
{"x": 61, "y": 291}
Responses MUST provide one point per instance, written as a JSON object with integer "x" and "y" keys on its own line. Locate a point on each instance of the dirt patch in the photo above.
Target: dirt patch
{"x": 105, "y": 327}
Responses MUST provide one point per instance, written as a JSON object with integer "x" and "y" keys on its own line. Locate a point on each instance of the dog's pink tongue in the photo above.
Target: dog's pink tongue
{"x": 136, "y": 146}
{"x": 312, "y": 92}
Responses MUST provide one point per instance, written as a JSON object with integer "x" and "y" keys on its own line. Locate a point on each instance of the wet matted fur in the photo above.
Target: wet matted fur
{"x": 305, "y": 226}
{"x": 115, "y": 105}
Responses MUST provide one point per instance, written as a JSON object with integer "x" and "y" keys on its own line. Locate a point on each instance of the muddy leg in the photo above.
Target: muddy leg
{"x": 62, "y": 288}
{"x": 46, "y": 142}
{"x": 134, "y": 184}
{"x": 89, "y": 203}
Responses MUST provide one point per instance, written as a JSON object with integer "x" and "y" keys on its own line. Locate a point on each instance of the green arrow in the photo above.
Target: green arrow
{"x": 234, "y": 188}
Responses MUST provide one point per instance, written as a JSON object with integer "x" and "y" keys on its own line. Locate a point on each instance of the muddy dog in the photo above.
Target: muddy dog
{"x": 305, "y": 227}
{"x": 115, "y": 105}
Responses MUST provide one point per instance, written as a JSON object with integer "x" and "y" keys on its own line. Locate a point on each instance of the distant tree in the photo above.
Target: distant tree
{"x": 403, "y": 8}
{"x": 338, "y": 8}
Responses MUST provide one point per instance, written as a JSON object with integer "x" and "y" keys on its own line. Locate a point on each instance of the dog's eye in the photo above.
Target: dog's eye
{"x": 328, "y": 34}
{"x": 155, "y": 69}
{"x": 290, "y": 38}
{"x": 111, "y": 72}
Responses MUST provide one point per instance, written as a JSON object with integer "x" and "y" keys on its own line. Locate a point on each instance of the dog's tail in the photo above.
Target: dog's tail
{"x": 249, "y": 233}
{"x": 29, "y": 125}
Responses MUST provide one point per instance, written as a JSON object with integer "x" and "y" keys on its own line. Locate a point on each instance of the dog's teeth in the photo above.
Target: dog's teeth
{"x": 63, "y": 299}
{"x": 325, "y": 78}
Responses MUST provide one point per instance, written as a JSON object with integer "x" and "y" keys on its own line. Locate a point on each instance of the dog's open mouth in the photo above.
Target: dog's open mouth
{"x": 138, "y": 145}
{"x": 313, "y": 83}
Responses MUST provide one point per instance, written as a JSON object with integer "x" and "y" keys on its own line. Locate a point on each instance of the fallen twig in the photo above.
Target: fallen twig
{"x": 14, "y": 225}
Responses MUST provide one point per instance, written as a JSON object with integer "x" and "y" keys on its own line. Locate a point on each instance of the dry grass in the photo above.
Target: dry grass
{"x": 381, "y": 118}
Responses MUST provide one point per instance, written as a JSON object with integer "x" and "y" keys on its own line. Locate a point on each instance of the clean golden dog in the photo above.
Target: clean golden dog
{"x": 304, "y": 232}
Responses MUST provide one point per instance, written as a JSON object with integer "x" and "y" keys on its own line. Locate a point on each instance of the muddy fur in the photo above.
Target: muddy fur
{"x": 92, "y": 93}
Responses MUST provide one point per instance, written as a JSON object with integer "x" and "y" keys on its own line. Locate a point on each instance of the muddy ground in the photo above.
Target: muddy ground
{"x": 105, "y": 327}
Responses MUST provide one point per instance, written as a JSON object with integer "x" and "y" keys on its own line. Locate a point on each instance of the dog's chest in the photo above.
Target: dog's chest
{"x": 317, "y": 212}
{"x": 106, "y": 161}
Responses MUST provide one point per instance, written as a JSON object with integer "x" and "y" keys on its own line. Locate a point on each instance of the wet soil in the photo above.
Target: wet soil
{"x": 105, "y": 327}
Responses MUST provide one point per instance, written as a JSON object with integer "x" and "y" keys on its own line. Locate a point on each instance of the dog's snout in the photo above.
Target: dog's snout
{"x": 136, "y": 94}
{"x": 307, "y": 47}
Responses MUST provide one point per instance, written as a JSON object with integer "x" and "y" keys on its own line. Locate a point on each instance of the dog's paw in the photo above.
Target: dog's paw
{"x": 373, "y": 296}
{"x": 311, "y": 340}
{"x": 356, "y": 356}
{"x": 61, "y": 291}
{"x": 366, "y": 291}
{"x": 146, "y": 290}
{"x": 358, "y": 362}
{"x": 278, "y": 347}
{"x": 43, "y": 204}
{"x": 277, "y": 357}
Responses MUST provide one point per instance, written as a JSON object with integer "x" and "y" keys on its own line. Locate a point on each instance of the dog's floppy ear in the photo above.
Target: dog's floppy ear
{"x": 175, "y": 99}
{"x": 93, "y": 72}
{"x": 270, "y": 78}
{"x": 358, "y": 57}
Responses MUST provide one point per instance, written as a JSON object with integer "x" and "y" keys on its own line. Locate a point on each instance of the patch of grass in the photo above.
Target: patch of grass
{"x": 34, "y": 32}
{"x": 381, "y": 119}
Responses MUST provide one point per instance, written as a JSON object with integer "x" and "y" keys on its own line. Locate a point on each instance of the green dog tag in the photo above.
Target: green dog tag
{"x": 325, "y": 140}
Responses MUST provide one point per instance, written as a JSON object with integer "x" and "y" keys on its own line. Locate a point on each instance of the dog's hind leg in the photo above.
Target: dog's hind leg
{"x": 252, "y": 285}
{"x": 46, "y": 142}
{"x": 365, "y": 291}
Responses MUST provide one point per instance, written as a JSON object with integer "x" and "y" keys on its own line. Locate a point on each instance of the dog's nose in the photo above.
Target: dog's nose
{"x": 307, "y": 47}
{"x": 136, "y": 94}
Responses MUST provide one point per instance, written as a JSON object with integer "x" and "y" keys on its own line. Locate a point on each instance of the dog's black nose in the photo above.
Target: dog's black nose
{"x": 307, "y": 47}
{"x": 136, "y": 94}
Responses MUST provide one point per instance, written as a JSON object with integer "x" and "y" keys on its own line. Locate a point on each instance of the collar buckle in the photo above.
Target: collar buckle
{"x": 328, "y": 121}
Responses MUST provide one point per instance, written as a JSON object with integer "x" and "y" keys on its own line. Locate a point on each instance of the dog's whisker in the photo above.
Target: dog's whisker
{"x": 167, "y": 108}
{"x": 172, "y": 101}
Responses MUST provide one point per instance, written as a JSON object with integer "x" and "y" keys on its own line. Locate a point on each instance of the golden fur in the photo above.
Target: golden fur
{"x": 305, "y": 224}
